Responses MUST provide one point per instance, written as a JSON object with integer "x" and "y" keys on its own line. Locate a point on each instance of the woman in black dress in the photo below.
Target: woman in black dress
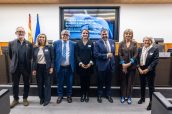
{"x": 84, "y": 54}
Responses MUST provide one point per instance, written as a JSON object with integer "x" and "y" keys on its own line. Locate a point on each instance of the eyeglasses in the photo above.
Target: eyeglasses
{"x": 20, "y": 31}
{"x": 65, "y": 34}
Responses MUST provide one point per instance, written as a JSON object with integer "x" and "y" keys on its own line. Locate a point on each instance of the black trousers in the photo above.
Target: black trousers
{"x": 127, "y": 83}
{"x": 44, "y": 82}
{"x": 104, "y": 78}
{"x": 84, "y": 75}
{"x": 147, "y": 78}
{"x": 16, "y": 79}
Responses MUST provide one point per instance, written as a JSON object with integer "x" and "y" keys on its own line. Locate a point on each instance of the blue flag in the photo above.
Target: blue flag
{"x": 37, "y": 31}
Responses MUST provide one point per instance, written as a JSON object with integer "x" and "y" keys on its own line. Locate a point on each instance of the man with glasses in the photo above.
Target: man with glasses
{"x": 104, "y": 51}
{"x": 20, "y": 53}
{"x": 64, "y": 64}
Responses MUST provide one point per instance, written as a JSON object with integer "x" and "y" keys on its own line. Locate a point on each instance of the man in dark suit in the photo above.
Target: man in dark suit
{"x": 104, "y": 53}
{"x": 64, "y": 64}
{"x": 20, "y": 53}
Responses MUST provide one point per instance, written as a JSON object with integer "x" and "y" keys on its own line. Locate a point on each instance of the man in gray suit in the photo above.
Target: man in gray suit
{"x": 20, "y": 53}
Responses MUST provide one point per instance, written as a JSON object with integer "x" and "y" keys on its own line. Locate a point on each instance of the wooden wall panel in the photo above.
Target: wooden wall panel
{"x": 167, "y": 45}
{"x": 3, "y": 44}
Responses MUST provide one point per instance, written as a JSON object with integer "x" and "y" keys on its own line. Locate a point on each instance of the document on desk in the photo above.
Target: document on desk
{"x": 164, "y": 54}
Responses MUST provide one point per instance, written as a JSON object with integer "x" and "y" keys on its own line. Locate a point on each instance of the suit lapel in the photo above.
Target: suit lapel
{"x": 60, "y": 45}
{"x": 16, "y": 46}
{"x": 26, "y": 47}
{"x": 101, "y": 41}
{"x": 70, "y": 48}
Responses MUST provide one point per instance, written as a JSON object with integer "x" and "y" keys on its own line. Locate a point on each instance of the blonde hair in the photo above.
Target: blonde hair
{"x": 37, "y": 42}
{"x": 128, "y": 31}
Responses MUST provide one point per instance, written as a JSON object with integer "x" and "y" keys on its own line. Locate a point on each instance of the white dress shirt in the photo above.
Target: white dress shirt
{"x": 67, "y": 53}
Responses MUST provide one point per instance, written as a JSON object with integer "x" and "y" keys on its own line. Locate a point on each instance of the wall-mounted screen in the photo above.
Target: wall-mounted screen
{"x": 75, "y": 19}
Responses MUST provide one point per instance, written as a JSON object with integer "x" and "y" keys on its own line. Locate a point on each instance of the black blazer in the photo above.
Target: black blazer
{"x": 152, "y": 58}
{"x": 13, "y": 54}
{"x": 49, "y": 56}
{"x": 84, "y": 53}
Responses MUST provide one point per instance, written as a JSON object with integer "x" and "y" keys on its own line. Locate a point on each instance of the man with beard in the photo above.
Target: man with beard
{"x": 20, "y": 53}
{"x": 104, "y": 53}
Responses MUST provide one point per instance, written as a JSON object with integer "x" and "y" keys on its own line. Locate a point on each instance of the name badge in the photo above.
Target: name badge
{"x": 46, "y": 50}
{"x": 113, "y": 45}
{"x": 27, "y": 45}
{"x": 89, "y": 45}
{"x": 151, "y": 54}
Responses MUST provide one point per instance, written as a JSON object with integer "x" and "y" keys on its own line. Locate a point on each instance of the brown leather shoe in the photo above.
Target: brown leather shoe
{"x": 14, "y": 103}
{"x": 25, "y": 102}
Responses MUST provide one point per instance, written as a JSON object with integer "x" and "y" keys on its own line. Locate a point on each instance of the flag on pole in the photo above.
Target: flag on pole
{"x": 37, "y": 31}
{"x": 30, "y": 36}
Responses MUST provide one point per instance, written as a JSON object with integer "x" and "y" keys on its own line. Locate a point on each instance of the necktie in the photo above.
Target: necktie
{"x": 64, "y": 51}
{"x": 107, "y": 47}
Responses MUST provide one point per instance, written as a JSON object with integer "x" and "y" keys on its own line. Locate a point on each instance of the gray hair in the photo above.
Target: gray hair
{"x": 65, "y": 31}
{"x": 149, "y": 38}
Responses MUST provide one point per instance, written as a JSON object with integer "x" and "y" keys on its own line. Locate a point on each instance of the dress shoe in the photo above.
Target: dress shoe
{"x": 86, "y": 98}
{"x": 109, "y": 98}
{"x": 99, "y": 99}
{"x": 25, "y": 102}
{"x": 129, "y": 101}
{"x": 59, "y": 100}
{"x": 122, "y": 99}
{"x": 46, "y": 103}
{"x": 14, "y": 103}
{"x": 41, "y": 101}
{"x": 141, "y": 101}
{"x": 149, "y": 106}
{"x": 82, "y": 98}
{"x": 69, "y": 99}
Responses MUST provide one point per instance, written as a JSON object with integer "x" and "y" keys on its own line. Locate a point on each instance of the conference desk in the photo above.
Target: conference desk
{"x": 163, "y": 73}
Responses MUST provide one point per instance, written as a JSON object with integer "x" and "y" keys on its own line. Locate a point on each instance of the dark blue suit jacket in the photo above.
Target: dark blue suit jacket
{"x": 58, "y": 54}
{"x": 100, "y": 53}
{"x": 49, "y": 57}
{"x": 152, "y": 58}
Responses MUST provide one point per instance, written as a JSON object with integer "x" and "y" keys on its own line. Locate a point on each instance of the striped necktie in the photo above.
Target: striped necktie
{"x": 64, "y": 51}
{"x": 107, "y": 47}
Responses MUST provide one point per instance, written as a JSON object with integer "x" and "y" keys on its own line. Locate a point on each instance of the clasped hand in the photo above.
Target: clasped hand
{"x": 85, "y": 66}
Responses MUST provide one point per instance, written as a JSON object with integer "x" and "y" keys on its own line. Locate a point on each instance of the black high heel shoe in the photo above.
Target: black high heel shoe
{"x": 86, "y": 98}
{"x": 41, "y": 101}
{"x": 149, "y": 106}
{"x": 82, "y": 98}
{"x": 141, "y": 101}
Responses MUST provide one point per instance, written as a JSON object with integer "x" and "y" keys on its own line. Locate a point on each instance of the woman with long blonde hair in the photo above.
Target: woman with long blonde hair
{"x": 127, "y": 53}
{"x": 42, "y": 68}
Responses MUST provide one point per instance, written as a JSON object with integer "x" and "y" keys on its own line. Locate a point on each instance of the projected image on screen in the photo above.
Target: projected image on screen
{"x": 75, "y": 20}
